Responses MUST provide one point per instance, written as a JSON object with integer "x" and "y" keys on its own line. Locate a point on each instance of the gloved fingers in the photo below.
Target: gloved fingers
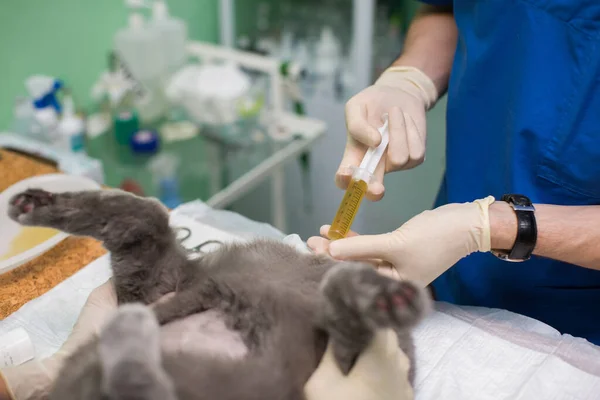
{"x": 360, "y": 125}
{"x": 416, "y": 142}
{"x": 99, "y": 306}
{"x": 398, "y": 149}
{"x": 363, "y": 133}
{"x": 353, "y": 155}
{"x": 104, "y": 295}
{"x": 318, "y": 245}
{"x": 324, "y": 231}
{"x": 382, "y": 348}
{"x": 387, "y": 269}
{"x": 363, "y": 247}
{"x": 383, "y": 358}
{"x": 376, "y": 189}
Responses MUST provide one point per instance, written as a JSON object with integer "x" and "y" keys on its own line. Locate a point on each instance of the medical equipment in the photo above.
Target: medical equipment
{"x": 43, "y": 90}
{"x": 212, "y": 94}
{"x": 135, "y": 47}
{"x": 327, "y": 62}
{"x": 183, "y": 234}
{"x": 24, "y": 122}
{"x": 361, "y": 177}
{"x": 164, "y": 175}
{"x": 70, "y": 132}
{"x": 173, "y": 35}
{"x": 126, "y": 123}
{"x": 144, "y": 142}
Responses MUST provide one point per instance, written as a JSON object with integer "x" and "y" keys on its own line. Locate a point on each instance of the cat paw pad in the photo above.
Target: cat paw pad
{"x": 378, "y": 300}
{"x": 25, "y": 202}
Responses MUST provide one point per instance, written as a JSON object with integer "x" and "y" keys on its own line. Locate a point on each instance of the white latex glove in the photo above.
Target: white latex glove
{"x": 33, "y": 379}
{"x": 380, "y": 373}
{"x": 424, "y": 247}
{"x": 405, "y": 94}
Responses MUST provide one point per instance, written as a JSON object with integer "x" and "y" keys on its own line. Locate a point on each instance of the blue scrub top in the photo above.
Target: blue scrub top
{"x": 523, "y": 117}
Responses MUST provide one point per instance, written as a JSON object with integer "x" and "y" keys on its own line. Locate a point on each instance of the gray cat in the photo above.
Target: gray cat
{"x": 277, "y": 307}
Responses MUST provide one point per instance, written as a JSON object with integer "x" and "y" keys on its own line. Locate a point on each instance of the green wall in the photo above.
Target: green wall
{"x": 70, "y": 39}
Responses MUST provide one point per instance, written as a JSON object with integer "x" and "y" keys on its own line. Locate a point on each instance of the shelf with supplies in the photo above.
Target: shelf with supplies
{"x": 215, "y": 164}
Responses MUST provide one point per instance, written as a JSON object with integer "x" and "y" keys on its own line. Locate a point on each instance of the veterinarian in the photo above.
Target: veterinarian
{"x": 380, "y": 373}
{"x": 523, "y": 125}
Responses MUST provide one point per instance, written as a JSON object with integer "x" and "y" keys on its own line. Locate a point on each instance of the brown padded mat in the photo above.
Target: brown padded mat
{"x": 41, "y": 274}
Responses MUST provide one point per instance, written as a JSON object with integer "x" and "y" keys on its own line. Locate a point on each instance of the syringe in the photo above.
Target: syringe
{"x": 361, "y": 177}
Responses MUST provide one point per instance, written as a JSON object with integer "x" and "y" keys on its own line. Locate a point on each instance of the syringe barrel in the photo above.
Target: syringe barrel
{"x": 349, "y": 205}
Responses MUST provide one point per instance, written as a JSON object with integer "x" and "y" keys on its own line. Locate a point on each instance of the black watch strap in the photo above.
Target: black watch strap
{"x": 526, "y": 229}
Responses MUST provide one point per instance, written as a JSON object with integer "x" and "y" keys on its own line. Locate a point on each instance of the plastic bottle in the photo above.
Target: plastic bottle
{"x": 137, "y": 47}
{"x": 173, "y": 36}
{"x": 70, "y": 132}
{"x": 24, "y": 122}
{"x": 327, "y": 61}
{"x": 164, "y": 174}
{"x": 43, "y": 90}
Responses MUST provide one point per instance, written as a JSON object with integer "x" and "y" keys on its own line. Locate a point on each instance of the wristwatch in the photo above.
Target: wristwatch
{"x": 526, "y": 229}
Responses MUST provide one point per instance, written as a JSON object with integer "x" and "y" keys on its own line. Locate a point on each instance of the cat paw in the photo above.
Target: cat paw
{"x": 130, "y": 357}
{"x": 21, "y": 206}
{"x": 356, "y": 290}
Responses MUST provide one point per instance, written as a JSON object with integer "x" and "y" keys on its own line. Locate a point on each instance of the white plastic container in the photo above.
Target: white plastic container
{"x": 211, "y": 93}
{"x": 15, "y": 348}
{"x": 70, "y": 133}
{"x": 138, "y": 48}
{"x": 327, "y": 62}
{"x": 173, "y": 36}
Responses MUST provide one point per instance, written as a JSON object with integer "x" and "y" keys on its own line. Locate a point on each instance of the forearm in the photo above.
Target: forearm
{"x": 430, "y": 44}
{"x": 565, "y": 233}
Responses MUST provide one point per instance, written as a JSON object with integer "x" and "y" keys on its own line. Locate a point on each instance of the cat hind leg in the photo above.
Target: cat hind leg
{"x": 112, "y": 216}
{"x": 130, "y": 356}
{"x": 359, "y": 301}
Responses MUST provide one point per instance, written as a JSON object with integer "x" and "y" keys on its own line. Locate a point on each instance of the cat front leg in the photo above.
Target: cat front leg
{"x": 358, "y": 301}
{"x": 130, "y": 357}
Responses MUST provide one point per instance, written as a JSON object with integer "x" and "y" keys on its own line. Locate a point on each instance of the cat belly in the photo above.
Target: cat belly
{"x": 203, "y": 334}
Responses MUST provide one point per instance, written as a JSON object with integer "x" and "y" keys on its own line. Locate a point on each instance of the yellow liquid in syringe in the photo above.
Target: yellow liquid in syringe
{"x": 348, "y": 209}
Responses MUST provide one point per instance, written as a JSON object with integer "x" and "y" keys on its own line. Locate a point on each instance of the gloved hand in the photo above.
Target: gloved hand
{"x": 380, "y": 373}
{"x": 33, "y": 379}
{"x": 425, "y": 246}
{"x": 405, "y": 94}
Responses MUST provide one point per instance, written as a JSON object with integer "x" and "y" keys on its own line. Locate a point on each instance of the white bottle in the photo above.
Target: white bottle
{"x": 24, "y": 122}
{"x": 70, "y": 133}
{"x": 136, "y": 46}
{"x": 47, "y": 118}
{"x": 327, "y": 61}
{"x": 173, "y": 36}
